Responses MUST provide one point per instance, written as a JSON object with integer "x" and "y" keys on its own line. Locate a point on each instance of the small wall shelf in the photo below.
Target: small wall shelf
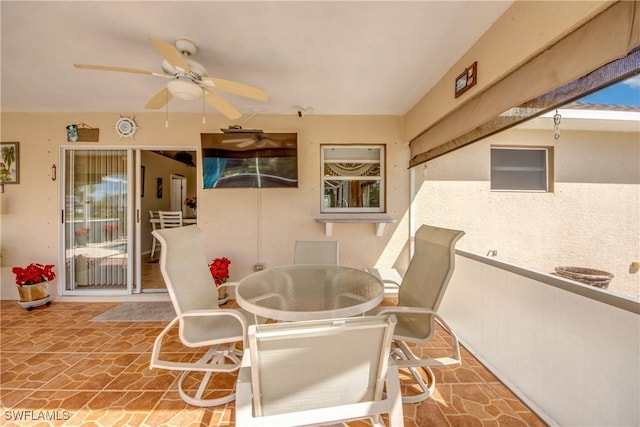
{"x": 379, "y": 221}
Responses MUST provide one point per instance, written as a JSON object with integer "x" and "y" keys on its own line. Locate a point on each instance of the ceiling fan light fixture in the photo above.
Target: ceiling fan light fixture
{"x": 184, "y": 90}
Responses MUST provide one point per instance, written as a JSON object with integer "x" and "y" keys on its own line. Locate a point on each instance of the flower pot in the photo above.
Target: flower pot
{"x": 588, "y": 276}
{"x": 223, "y": 296}
{"x": 33, "y": 292}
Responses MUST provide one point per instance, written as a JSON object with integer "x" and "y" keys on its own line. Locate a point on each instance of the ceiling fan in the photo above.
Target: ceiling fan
{"x": 189, "y": 79}
{"x": 255, "y": 137}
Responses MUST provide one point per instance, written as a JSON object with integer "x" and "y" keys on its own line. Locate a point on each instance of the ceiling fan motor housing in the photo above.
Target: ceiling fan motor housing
{"x": 184, "y": 88}
{"x": 197, "y": 69}
{"x": 186, "y": 46}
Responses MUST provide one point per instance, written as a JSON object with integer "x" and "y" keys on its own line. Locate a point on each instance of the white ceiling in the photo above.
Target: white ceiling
{"x": 360, "y": 57}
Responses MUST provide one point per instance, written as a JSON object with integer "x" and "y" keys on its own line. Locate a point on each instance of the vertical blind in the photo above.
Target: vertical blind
{"x": 96, "y": 207}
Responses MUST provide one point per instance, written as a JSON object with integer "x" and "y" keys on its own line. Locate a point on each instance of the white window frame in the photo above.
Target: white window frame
{"x": 379, "y": 178}
{"x": 515, "y": 169}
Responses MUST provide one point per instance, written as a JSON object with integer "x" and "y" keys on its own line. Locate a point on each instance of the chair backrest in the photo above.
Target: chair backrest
{"x": 318, "y": 364}
{"x": 427, "y": 277}
{"x": 154, "y": 215}
{"x": 316, "y": 252}
{"x": 170, "y": 219}
{"x": 185, "y": 269}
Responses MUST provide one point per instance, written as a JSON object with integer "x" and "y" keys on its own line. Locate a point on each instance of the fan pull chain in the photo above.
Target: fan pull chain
{"x": 166, "y": 110}
{"x": 204, "y": 120}
{"x": 259, "y": 227}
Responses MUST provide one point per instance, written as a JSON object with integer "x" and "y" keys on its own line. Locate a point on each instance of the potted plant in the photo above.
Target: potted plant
{"x": 81, "y": 236}
{"x": 192, "y": 202}
{"x": 32, "y": 284}
{"x": 219, "y": 268}
{"x": 109, "y": 231}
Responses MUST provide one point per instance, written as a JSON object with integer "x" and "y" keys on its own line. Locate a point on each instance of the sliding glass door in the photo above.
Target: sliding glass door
{"x": 97, "y": 221}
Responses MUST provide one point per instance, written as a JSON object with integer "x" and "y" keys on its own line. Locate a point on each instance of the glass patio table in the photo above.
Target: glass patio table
{"x": 309, "y": 292}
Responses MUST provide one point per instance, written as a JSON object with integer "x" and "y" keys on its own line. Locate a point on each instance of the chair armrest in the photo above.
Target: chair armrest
{"x": 215, "y": 312}
{"x": 156, "y": 362}
{"x": 232, "y": 288}
{"x": 456, "y": 359}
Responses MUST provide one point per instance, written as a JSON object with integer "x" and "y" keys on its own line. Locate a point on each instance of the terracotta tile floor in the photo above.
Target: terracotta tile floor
{"x": 59, "y": 368}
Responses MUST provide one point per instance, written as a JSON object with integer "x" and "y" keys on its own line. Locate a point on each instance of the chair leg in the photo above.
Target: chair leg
{"x": 213, "y": 357}
{"x": 400, "y": 351}
{"x": 376, "y": 421}
{"x": 153, "y": 246}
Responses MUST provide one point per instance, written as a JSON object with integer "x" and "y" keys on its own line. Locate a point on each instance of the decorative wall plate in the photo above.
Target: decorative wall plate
{"x": 126, "y": 127}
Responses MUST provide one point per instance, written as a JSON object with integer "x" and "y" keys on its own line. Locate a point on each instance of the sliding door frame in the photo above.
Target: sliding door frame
{"x": 129, "y": 215}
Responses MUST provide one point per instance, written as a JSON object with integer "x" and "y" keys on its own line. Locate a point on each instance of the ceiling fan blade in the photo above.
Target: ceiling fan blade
{"x": 238, "y": 88}
{"x": 245, "y": 144}
{"x": 207, "y": 83}
{"x": 237, "y": 140}
{"x": 171, "y": 54}
{"x": 120, "y": 69}
{"x": 159, "y": 100}
{"x": 222, "y": 105}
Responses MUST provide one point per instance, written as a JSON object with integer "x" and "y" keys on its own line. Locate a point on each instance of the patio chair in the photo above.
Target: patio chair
{"x": 170, "y": 219}
{"x": 316, "y": 252}
{"x": 202, "y": 324}
{"x": 419, "y": 297}
{"x": 319, "y": 372}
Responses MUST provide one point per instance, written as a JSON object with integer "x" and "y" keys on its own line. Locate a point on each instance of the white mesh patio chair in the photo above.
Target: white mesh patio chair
{"x": 316, "y": 252}
{"x": 319, "y": 372}
{"x": 422, "y": 289}
{"x": 201, "y": 323}
{"x": 170, "y": 219}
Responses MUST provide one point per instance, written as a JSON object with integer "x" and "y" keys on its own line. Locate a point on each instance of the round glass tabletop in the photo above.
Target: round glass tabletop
{"x": 309, "y": 292}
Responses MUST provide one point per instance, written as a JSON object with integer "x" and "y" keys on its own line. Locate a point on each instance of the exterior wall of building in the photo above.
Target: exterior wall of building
{"x": 591, "y": 219}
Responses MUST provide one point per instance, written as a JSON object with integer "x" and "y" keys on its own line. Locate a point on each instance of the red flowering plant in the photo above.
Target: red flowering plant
{"x": 82, "y": 232}
{"x": 192, "y": 202}
{"x": 219, "y": 268}
{"x": 109, "y": 229}
{"x": 33, "y": 274}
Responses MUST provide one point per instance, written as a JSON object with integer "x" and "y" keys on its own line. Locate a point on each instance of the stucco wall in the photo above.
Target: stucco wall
{"x": 589, "y": 220}
{"x": 229, "y": 217}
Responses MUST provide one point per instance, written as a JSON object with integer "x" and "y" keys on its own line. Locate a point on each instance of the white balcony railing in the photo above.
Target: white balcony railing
{"x": 570, "y": 351}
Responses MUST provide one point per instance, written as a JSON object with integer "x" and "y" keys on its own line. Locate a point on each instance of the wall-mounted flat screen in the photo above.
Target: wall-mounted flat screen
{"x": 249, "y": 159}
